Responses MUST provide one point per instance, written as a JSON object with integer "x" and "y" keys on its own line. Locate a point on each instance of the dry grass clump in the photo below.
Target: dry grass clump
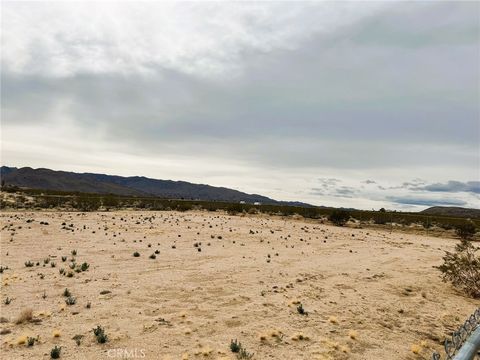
{"x": 22, "y": 340}
{"x": 333, "y": 320}
{"x": 25, "y": 315}
{"x": 416, "y": 349}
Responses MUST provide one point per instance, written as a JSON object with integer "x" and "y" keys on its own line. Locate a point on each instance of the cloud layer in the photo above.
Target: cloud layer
{"x": 262, "y": 97}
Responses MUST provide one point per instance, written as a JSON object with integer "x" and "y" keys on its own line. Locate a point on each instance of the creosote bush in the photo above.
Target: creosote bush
{"x": 462, "y": 268}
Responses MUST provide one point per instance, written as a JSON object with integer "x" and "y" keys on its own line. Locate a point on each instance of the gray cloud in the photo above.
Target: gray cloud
{"x": 387, "y": 90}
{"x": 409, "y": 200}
{"x": 452, "y": 186}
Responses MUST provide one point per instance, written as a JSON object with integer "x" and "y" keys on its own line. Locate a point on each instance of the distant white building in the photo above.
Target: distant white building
{"x": 242, "y": 202}
{"x": 257, "y": 203}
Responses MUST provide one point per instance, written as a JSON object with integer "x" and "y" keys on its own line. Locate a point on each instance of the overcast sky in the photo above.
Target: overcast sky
{"x": 355, "y": 104}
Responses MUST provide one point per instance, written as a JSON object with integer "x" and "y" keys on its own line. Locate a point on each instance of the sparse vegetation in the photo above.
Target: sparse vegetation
{"x": 136, "y": 254}
{"x": 29, "y": 263}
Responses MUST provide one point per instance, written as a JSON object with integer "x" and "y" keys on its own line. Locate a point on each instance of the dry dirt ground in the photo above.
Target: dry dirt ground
{"x": 369, "y": 294}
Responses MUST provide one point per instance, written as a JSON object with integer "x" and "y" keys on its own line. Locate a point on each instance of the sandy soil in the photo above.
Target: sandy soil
{"x": 369, "y": 294}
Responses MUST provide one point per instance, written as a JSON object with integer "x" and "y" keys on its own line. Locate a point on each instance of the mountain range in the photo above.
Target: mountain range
{"x": 48, "y": 179}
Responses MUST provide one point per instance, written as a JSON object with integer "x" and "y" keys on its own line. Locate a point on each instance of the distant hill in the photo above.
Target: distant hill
{"x": 47, "y": 179}
{"x": 452, "y": 211}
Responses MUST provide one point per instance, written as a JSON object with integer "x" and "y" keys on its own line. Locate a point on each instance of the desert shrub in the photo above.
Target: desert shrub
{"x": 64, "y": 258}
{"x": 29, "y": 263}
{"x": 55, "y": 352}
{"x": 235, "y": 346}
{"x": 462, "y": 268}
{"x": 244, "y": 354}
{"x": 67, "y": 293}
{"x": 78, "y": 339}
{"x": 301, "y": 310}
{"x": 465, "y": 231}
{"x": 7, "y": 301}
{"x": 31, "y": 341}
{"x": 339, "y": 217}
{"x": 70, "y": 300}
{"x": 100, "y": 335}
{"x": 84, "y": 266}
{"x": 136, "y": 254}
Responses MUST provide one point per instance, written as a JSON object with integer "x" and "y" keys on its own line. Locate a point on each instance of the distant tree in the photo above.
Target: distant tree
{"x": 339, "y": 217}
{"x": 466, "y": 231}
{"x": 382, "y": 210}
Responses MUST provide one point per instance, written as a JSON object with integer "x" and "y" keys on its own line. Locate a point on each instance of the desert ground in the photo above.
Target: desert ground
{"x": 367, "y": 293}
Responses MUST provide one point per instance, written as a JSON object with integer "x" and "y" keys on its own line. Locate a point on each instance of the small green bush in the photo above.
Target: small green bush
{"x": 235, "y": 346}
{"x": 70, "y": 300}
{"x": 301, "y": 310}
{"x": 55, "y": 352}
{"x": 100, "y": 335}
